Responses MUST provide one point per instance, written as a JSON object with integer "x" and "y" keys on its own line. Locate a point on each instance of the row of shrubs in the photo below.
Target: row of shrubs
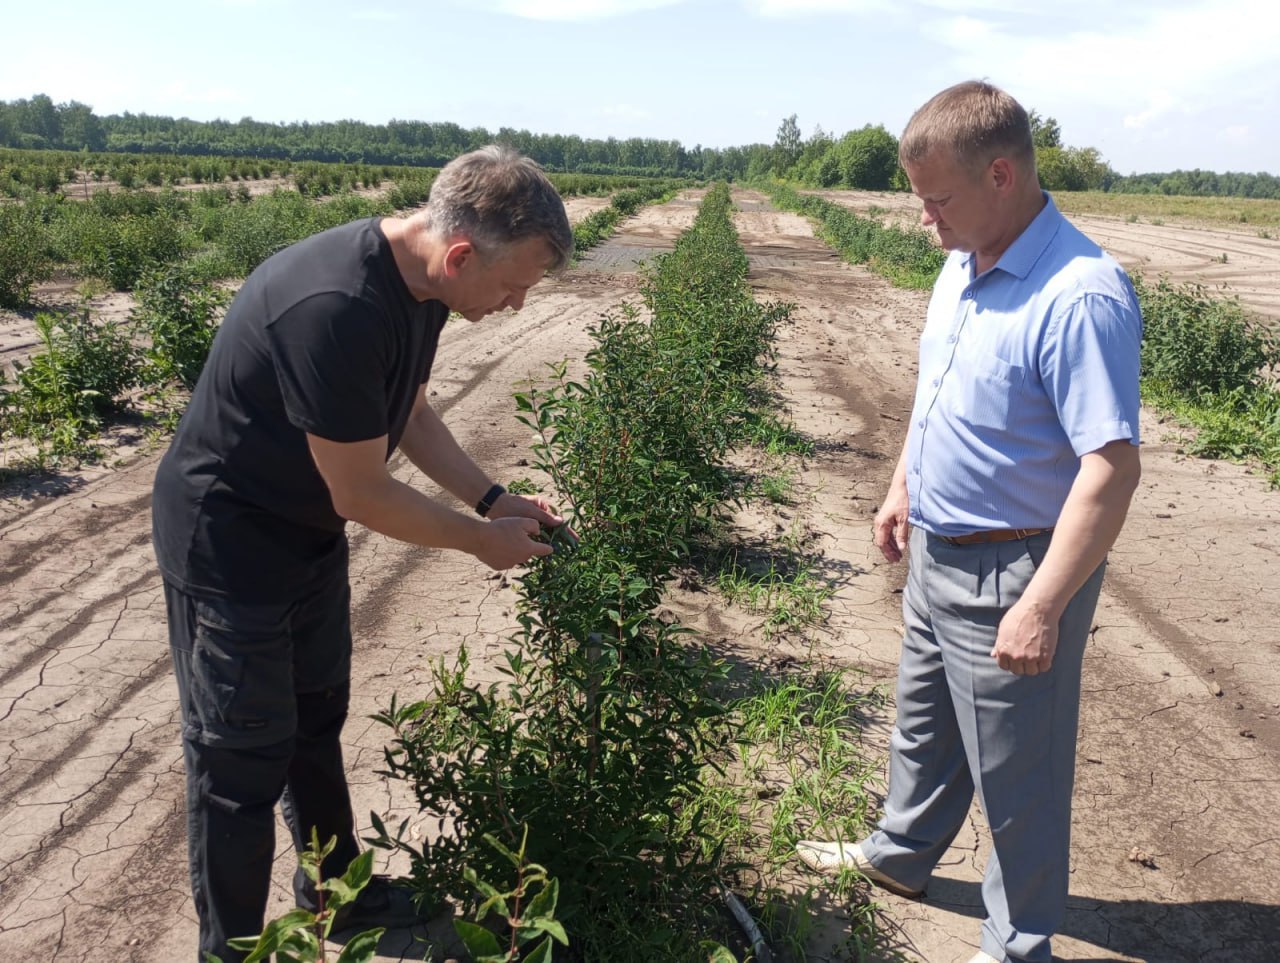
{"x": 118, "y": 236}
{"x": 908, "y": 258}
{"x": 598, "y": 741}
{"x": 598, "y": 225}
{"x": 90, "y": 372}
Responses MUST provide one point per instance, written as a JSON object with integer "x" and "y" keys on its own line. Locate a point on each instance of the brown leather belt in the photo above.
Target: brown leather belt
{"x": 995, "y": 535}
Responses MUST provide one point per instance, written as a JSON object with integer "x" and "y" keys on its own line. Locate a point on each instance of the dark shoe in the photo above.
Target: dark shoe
{"x": 830, "y": 858}
{"x": 382, "y": 902}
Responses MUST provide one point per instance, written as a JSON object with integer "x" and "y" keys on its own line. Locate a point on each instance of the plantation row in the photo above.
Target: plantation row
{"x": 609, "y": 745}
{"x": 25, "y": 172}
{"x": 116, "y": 236}
{"x": 1204, "y": 357}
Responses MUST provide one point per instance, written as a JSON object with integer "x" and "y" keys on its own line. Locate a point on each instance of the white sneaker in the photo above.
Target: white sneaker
{"x": 981, "y": 957}
{"x": 830, "y": 858}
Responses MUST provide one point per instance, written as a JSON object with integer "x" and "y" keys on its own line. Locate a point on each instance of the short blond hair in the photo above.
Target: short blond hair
{"x": 496, "y": 196}
{"x": 973, "y": 122}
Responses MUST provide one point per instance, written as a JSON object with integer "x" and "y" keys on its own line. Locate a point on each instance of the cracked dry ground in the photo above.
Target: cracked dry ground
{"x": 1180, "y": 727}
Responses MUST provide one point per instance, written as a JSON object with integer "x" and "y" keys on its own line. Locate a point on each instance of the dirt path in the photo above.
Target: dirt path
{"x": 92, "y": 857}
{"x": 1180, "y": 740}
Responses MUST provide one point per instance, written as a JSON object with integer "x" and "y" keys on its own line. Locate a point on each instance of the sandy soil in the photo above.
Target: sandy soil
{"x": 1214, "y": 256}
{"x": 1180, "y": 736}
{"x": 579, "y": 207}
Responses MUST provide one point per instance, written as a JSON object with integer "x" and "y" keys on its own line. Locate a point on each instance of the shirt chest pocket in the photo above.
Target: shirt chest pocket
{"x": 990, "y": 391}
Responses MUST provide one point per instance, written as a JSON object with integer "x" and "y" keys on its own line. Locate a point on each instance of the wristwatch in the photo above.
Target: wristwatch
{"x": 491, "y": 496}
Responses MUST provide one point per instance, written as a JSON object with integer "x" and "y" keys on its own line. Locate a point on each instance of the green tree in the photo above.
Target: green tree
{"x": 787, "y": 146}
{"x": 1073, "y": 169}
{"x": 1045, "y": 131}
{"x": 868, "y": 158}
{"x": 81, "y": 129}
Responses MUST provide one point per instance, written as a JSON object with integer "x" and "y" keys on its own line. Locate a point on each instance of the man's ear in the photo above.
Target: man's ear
{"x": 1003, "y": 174}
{"x": 457, "y": 256}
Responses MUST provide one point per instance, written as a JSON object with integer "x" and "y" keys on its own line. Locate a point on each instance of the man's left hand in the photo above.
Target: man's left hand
{"x": 525, "y": 506}
{"x": 1026, "y": 640}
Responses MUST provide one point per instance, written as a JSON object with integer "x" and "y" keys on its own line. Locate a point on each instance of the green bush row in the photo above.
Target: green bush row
{"x": 909, "y": 259}
{"x": 89, "y": 371}
{"x": 1211, "y": 363}
{"x": 599, "y": 739}
{"x": 117, "y": 236}
{"x": 598, "y": 225}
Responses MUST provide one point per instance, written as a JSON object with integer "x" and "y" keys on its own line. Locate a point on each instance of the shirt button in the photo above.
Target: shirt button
{"x": 920, "y": 424}
{"x": 936, "y": 382}
{"x": 952, "y": 340}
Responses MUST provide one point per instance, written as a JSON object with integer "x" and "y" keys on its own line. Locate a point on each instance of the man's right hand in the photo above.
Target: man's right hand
{"x": 509, "y": 541}
{"x": 891, "y": 525}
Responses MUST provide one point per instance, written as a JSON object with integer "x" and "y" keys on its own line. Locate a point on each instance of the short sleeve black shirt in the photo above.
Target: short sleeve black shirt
{"x": 323, "y": 338}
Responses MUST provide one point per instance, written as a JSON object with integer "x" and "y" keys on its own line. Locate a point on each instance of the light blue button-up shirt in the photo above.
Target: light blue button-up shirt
{"x": 1023, "y": 369}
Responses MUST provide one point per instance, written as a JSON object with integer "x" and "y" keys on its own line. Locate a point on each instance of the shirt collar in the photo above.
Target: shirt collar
{"x": 1021, "y": 256}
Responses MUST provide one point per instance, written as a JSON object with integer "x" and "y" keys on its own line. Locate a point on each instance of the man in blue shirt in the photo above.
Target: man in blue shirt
{"x": 1018, "y": 468}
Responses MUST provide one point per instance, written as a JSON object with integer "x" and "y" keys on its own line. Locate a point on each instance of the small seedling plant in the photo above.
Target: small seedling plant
{"x": 299, "y": 935}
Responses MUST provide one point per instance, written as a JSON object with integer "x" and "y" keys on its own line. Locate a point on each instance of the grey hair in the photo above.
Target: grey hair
{"x": 972, "y": 122}
{"x": 495, "y": 197}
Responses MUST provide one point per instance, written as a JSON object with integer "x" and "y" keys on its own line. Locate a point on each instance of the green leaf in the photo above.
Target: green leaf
{"x": 551, "y": 928}
{"x": 361, "y": 948}
{"x": 544, "y": 904}
{"x": 479, "y": 941}
{"x": 275, "y": 935}
{"x": 496, "y": 844}
{"x": 718, "y": 954}
{"x": 540, "y": 955}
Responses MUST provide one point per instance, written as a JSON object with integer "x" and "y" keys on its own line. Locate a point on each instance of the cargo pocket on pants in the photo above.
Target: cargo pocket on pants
{"x": 241, "y": 679}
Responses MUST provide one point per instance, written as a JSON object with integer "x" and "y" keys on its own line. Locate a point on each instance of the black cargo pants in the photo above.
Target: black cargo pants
{"x": 264, "y": 691}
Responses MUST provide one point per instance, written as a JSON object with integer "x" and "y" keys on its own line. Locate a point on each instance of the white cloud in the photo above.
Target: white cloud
{"x": 573, "y": 10}
{"x": 777, "y": 9}
{"x": 1158, "y": 60}
{"x": 376, "y": 16}
{"x": 1159, "y": 103}
{"x": 802, "y": 8}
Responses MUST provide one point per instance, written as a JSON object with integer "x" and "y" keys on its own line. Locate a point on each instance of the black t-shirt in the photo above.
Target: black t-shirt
{"x": 323, "y": 338}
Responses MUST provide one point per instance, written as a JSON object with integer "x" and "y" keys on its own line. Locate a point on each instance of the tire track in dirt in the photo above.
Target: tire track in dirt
{"x": 92, "y": 853}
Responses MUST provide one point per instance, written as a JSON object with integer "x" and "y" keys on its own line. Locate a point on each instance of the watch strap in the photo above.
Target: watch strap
{"x": 491, "y": 496}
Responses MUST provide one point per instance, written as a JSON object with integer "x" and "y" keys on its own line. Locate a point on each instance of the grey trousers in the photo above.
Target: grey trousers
{"x": 963, "y": 722}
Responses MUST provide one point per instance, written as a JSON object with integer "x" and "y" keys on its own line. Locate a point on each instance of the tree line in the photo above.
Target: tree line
{"x": 864, "y": 158}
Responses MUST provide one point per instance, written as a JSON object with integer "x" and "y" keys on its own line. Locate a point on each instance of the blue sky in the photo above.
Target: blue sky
{"x": 1152, "y": 85}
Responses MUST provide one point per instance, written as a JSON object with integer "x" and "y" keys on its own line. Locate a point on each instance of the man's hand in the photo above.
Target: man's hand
{"x": 891, "y": 525}
{"x": 505, "y": 542}
{"x": 525, "y": 506}
{"x": 1027, "y": 639}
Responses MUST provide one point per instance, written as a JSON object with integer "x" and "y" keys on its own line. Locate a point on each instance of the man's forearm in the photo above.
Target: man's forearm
{"x": 1090, "y": 521}
{"x": 394, "y": 509}
{"x": 428, "y": 443}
